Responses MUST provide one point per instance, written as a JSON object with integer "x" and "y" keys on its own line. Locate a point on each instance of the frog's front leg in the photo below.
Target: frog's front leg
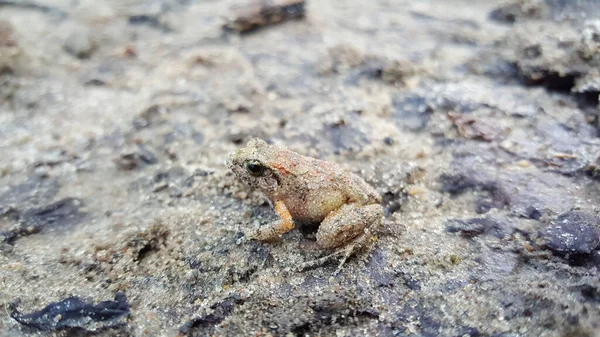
{"x": 276, "y": 228}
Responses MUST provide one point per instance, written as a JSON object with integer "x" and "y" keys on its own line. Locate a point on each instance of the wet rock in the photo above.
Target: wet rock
{"x": 127, "y": 162}
{"x": 74, "y": 312}
{"x": 518, "y": 10}
{"x": 552, "y": 55}
{"x": 456, "y": 184}
{"x": 133, "y": 160}
{"x": 31, "y": 5}
{"x": 345, "y": 137}
{"x": 11, "y": 55}
{"x": 263, "y": 15}
{"x": 339, "y": 59}
{"x": 380, "y": 273}
{"x": 411, "y": 112}
{"x": 593, "y": 169}
{"x": 61, "y": 213}
{"x": 148, "y": 20}
{"x": 472, "y": 127}
{"x": 493, "y": 224}
{"x": 589, "y": 292}
{"x": 112, "y": 73}
{"x": 64, "y": 212}
{"x": 397, "y": 72}
{"x": 152, "y": 115}
{"x": 469, "y": 332}
{"x": 495, "y": 264}
{"x": 34, "y": 191}
{"x": 52, "y": 158}
{"x": 466, "y": 228}
{"x": 175, "y": 192}
{"x": 150, "y": 13}
{"x": 527, "y": 194}
{"x": 499, "y": 226}
{"x": 573, "y": 232}
{"x": 490, "y": 194}
{"x": 204, "y": 323}
{"x": 79, "y": 44}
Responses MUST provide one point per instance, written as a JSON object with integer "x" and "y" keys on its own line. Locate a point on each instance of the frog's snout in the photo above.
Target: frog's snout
{"x": 230, "y": 159}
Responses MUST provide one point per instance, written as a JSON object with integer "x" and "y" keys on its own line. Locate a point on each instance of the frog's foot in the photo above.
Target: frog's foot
{"x": 345, "y": 252}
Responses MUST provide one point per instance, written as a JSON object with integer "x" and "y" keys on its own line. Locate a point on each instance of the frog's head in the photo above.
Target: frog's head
{"x": 250, "y": 165}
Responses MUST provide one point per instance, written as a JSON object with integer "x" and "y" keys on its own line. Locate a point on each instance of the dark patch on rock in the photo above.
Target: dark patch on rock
{"x": 110, "y": 73}
{"x": 494, "y": 225}
{"x": 397, "y": 72}
{"x": 427, "y": 326}
{"x": 32, "y": 192}
{"x": 330, "y": 310}
{"x": 257, "y": 257}
{"x": 412, "y": 112}
{"x": 527, "y": 194}
{"x": 35, "y": 6}
{"x": 61, "y": 213}
{"x": 151, "y": 116}
{"x": 149, "y": 13}
{"x": 205, "y": 324}
{"x": 79, "y": 45}
{"x": 472, "y": 127}
{"x": 518, "y": 10}
{"x": 75, "y": 313}
{"x": 144, "y": 19}
{"x": 589, "y": 293}
{"x": 593, "y": 169}
{"x": 469, "y": 332}
{"x": 368, "y": 69}
{"x": 379, "y": 272}
{"x": 183, "y": 131}
{"x": 145, "y": 243}
{"x": 410, "y": 282}
{"x": 263, "y": 15}
{"x": 492, "y": 65}
{"x": 489, "y": 193}
{"x": 392, "y": 202}
{"x": 495, "y": 264}
{"x": 9, "y": 215}
{"x": 499, "y": 226}
{"x": 133, "y": 160}
{"x": 456, "y": 184}
{"x": 344, "y": 137}
{"x": 549, "y": 79}
{"x": 172, "y": 175}
{"x": 572, "y": 233}
{"x": 555, "y": 55}
{"x": 467, "y": 228}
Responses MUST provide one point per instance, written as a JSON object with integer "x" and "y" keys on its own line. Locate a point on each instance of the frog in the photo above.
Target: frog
{"x": 309, "y": 190}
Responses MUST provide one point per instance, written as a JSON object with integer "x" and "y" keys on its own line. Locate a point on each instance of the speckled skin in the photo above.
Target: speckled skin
{"x": 307, "y": 189}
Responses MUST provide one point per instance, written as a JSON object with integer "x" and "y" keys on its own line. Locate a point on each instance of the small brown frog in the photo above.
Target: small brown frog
{"x": 309, "y": 190}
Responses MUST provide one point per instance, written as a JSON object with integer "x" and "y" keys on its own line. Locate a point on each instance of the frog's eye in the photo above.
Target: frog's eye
{"x": 255, "y": 168}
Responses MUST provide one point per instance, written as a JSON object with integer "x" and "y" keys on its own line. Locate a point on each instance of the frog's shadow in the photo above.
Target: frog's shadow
{"x": 308, "y": 229}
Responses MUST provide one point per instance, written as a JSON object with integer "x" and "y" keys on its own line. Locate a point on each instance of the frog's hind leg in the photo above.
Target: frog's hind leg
{"x": 345, "y": 230}
{"x": 344, "y": 252}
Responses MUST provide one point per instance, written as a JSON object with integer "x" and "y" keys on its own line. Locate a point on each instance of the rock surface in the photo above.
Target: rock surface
{"x": 477, "y": 121}
{"x": 572, "y": 233}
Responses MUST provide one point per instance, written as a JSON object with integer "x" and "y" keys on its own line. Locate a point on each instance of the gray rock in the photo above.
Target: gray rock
{"x": 572, "y": 233}
{"x": 79, "y": 45}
